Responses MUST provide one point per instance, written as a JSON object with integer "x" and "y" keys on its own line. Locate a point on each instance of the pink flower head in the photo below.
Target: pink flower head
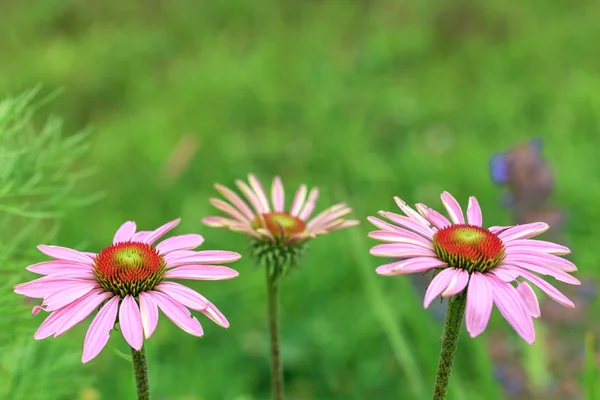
{"x": 128, "y": 281}
{"x": 493, "y": 264}
{"x": 269, "y": 221}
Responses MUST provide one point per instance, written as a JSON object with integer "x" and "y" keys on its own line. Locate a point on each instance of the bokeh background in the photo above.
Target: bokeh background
{"x": 364, "y": 99}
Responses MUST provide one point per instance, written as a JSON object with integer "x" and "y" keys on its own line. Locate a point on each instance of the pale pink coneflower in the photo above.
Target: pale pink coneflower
{"x": 280, "y": 235}
{"x": 128, "y": 282}
{"x": 473, "y": 266}
{"x": 486, "y": 262}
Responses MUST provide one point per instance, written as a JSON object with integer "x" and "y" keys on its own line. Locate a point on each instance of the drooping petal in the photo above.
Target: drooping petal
{"x": 511, "y": 306}
{"x": 457, "y": 284}
{"x": 130, "y": 321}
{"x": 410, "y": 266}
{"x": 438, "y": 284}
{"x": 524, "y": 231}
{"x": 125, "y": 232}
{"x": 214, "y": 314}
{"x": 149, "y": 313}
{"x": 298, "y": 202}
{"x": 183, "y": 294}
{"x": 479, "y": 304}
{"x": 453, "y": 208}
{"x": 401, "y": 251}
{"x": 64, "y": 253}
{"x": 547, "y": 288}
{"x": 278, "y": 195}
{"x": 539, "y": 258}
{"x": 540, "y": 245}
{"x": 201, "y": 272}
{"x": 181, "y": 242}
{"x": 177, "y": 313}
{"x": 160, "y": 231}
{"x": 529, "y": 298}
{"x": 556, "y": 273}
{"x": 67, "y": 294}
{"x": 206, "y": 257}
{"x": 99, "y": 331}
{"x": 474, "y": 216}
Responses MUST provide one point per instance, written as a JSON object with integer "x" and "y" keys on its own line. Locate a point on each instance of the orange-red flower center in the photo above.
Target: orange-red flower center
{"x": 129, "y": 268}
{"x": 469, "y": 247}
{"x": 280, "y": 224}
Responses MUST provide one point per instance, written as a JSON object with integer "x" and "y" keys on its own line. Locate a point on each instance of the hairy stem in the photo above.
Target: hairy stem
{"x": 273, "y": 312}
{"x": 140, "y": 369}
{"x": 454, "y": 317}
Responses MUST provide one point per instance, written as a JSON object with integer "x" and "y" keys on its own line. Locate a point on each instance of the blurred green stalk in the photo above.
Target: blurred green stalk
{"x": 454, "y": 317}
{"x": 140, "y": 369}
{"x": 273, "y": 313}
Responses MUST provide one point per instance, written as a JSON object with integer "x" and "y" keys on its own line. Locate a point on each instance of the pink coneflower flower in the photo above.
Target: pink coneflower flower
{"x": 271, "y": 221}
{"x": 128, "y": 281}
{"x": 493, "y": 265}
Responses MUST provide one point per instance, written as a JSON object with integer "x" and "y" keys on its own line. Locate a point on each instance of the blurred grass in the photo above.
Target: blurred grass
{"x": 370, "y": 98}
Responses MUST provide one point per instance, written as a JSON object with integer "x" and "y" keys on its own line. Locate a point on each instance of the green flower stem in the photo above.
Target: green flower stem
{"x": 454, "y": 318}
{"x": 273, "y": 311}
{"x": 140, "y": 369}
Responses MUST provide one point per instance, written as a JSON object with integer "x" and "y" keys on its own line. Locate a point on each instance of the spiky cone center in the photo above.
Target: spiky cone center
{"x": 469, "y": 247}
{"x": 129, "y": 268}
{"x": 281, "y": 225}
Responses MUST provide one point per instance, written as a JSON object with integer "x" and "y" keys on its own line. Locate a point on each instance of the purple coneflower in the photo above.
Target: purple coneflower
{"x": 477, "y": 267}
{"x": 279, "y": 237}
{"x": 128, "y": 282}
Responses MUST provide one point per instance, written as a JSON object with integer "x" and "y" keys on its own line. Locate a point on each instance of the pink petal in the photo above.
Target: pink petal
{"x": 474, "y": 216}
{"x": 457, "y": 284}
{"x": 298, "y": 202}
{"x": 206, "y": 257}
{"x": 149, "y": 313}
{"x": 181, "y": 242}
{"x": 160, "y": 231}
{"x": 213, "y": 313}
{"x": 260, "y": 192}
{"x": 236, "y": 201}
{"x": 70, "y": 313}
{"x": 251, "y": 196}
{"x": 539, "y": 245}
{"x": 277, "y": 194}
{"x": 139, "y": 236}
{"x": 183, "y": 294}
{"x": 401, "y": 251}
{"x": 453, "y": 208}
{"x": 547, "y": 288}
{"x": 42, "y": 287}
{"x": 130, "y": 321}
{"x": 529, "y": 299}
{"x": 35, "y": 310}
{"x": 387, "y": 226}
{"x": 201, "y": 272}
{"x": 524, "y": 231}
{"x": 405, "y": 237}
{"x": 61, "y": 267}
{"x": 177, "y": 313}
{"x": 479, "y": 304}
{"x": 498, "y": 229}
{"x": 68, "y": 294}
{"x": 412, "y": 265}
{"x": 435, "y": 218}
{"x": 539, "y": 258}
{"x": 82, "y": 308}
{"x": 408, "y": 223}
{"x": 547, "y": 270}
{"x": 63, "y": 253}
{"x": 310, "y": 204}
{"x": 99, "y": 331}
{"x": 229, "y": 209}
{"x": 327, "y": 217}
{"x": 125, "y": 232}
{"x": 511, "y": 306}
{"x": 438, "y": 284}
{"x": 410, "y": 213}
{"x": 505, "y": 274}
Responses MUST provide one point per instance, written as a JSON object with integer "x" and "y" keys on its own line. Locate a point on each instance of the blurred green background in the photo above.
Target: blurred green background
{"x": 364, "y": 99}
